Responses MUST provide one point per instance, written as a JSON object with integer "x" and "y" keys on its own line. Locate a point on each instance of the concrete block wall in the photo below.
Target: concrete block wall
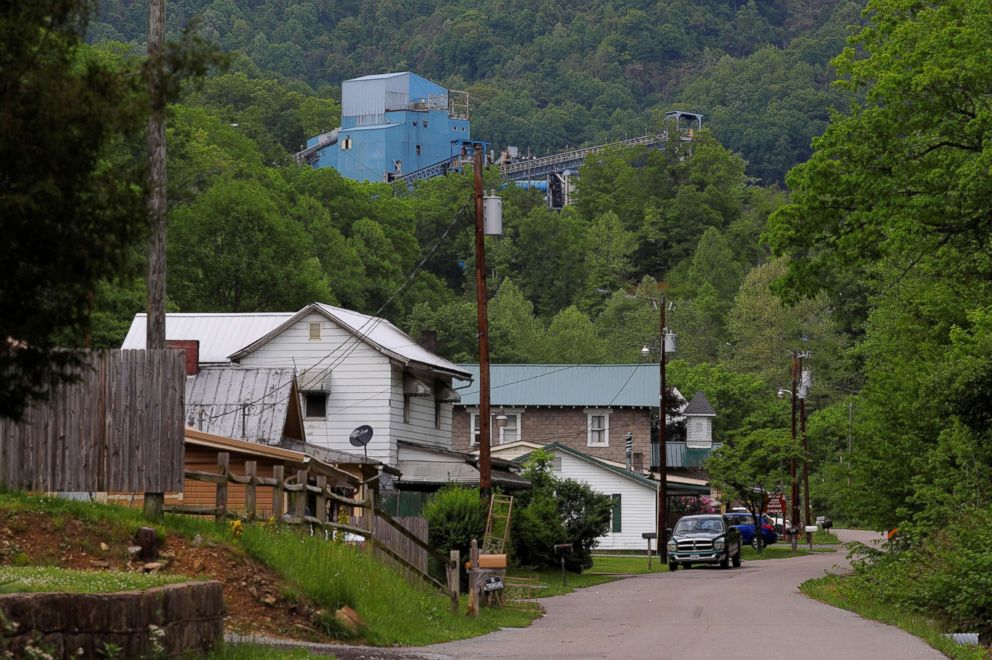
{"x": 86, "y": 625}
{"x": 568, "y": 426}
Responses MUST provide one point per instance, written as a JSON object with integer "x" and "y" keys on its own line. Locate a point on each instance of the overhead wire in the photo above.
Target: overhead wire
{"x": 357, "y": 337}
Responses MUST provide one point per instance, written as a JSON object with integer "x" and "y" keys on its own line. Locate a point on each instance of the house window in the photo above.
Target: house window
{"x": 509, "y": 433}
{"x": 315, "y": 405}
{"x": 418, "y": 149}
{"x": 346, "y": 144}
{"x": 616, "y": 514}
{"x": 599, "y": 428}
{"x": 556, "y": 464}
{"x": 314, "y": 331}
{"x": 414, "y": 123}
{"x": 425, "y": 123}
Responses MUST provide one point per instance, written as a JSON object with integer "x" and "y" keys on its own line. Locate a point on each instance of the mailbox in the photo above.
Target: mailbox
{"x": 492, "y": 561}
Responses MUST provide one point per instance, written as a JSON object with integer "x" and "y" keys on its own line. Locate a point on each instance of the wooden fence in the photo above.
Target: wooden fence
{"x": 381, "y": 533}
{"x": 120, "y": 428}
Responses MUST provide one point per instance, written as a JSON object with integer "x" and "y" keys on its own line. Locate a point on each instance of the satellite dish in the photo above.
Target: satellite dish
{"x": 361, "y": 436}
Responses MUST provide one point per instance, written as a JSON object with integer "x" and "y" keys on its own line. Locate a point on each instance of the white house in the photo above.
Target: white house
{"x": 352, "y": 370}
{"x": 634, "y": 495}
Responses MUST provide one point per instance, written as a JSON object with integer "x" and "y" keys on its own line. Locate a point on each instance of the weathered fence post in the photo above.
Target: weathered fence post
{"x": 300, "y": 501}
{"x": 473, "y": 580}
{"x": 454, "y": 578}
{"x": 278, "y": 472}
{"x": 321, "y": 512}
{"x": 251, "y": 470}
{"x": 223, "y": 462}
{"x": 369, "y": 514}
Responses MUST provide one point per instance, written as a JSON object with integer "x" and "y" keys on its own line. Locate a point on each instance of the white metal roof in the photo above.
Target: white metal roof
{"x": 380, "y": 76}
{"x": 226, "y": 337}
{"x": 240, "y": 402}
{"x": 219, "y": 335}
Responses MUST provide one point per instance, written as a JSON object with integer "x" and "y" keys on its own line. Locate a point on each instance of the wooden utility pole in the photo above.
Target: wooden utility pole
{"x": 662, "y": 447}
{"x": 485, "y": 469}
{"x": 804, "y": 384}
{"x": 802, "y": 432}
{"x": 792, "y": 463}
{"x": 155, "y": 318}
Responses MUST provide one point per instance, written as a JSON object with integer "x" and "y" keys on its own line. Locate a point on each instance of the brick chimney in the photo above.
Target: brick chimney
{"x": 428, "y": 340}
{"x": 192, "y": 349}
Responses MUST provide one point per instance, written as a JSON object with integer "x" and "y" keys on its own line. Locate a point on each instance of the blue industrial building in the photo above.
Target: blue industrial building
{"x": 394, "y": 126}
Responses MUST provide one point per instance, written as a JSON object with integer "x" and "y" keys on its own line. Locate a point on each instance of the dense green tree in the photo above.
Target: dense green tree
{"x": 70, "y": 196}
{"x": 572, "y": 338}
{"x": 763, "y": 331}
{"x": 753, "y": 466}
{"x": 232, "y": 250}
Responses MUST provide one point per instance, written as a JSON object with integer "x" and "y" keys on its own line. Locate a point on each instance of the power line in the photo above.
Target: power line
{"x": 360, "y": 333}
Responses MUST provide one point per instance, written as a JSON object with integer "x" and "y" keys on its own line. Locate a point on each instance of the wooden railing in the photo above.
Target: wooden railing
{"x": 289, "y": 498}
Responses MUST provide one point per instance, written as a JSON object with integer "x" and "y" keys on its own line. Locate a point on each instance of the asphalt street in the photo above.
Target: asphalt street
{"x": 754, "y": 611}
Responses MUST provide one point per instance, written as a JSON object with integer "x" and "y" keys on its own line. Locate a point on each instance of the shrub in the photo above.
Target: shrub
{"x": 947, "y": 574}
{"x": 455, "y": 516}
{"x": 557, "y": 511}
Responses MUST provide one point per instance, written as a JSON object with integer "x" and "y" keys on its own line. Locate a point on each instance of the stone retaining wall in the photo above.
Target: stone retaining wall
{"x": 190, "y": 617}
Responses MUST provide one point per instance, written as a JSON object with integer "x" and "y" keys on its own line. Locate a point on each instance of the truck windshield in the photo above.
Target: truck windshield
{"x": 699, "y": 525}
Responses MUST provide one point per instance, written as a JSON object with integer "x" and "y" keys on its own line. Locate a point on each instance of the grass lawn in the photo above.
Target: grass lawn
{"x": 823, "y": 537}
{"x": 838, "y": 591}
{"x": 626, "y": 565}
{"x": 15, "y": 579}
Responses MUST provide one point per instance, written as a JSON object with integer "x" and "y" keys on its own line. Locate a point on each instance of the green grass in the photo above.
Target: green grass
{"x": 551, "y": 585}
{"x": 260, "y": 652}
{"x": 823, "y": 537}
{"x": 395, "y": 610}
{"x": 46, "y": 578}
{"x": 773, "y": 552}
{"x": 626, "y": 565}
{"x": 842, "y": 592}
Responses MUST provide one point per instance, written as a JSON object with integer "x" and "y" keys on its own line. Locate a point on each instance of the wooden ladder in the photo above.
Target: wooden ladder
{"x": 497, "y": 525}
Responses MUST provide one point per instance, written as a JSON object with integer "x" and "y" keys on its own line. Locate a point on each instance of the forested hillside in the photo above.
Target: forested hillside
{"x": 250, "y": 230}
{"x": 544, "y": 75}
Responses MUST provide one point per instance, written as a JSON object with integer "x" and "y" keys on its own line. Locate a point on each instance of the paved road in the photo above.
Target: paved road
{"x": 700, "y": 613}
{"x": 754, "y": 611}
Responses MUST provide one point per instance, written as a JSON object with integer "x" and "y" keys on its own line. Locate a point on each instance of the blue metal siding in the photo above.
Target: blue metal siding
{"x": 387, "y": 116}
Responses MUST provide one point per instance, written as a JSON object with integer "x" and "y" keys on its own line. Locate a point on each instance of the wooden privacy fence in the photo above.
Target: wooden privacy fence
{"x": 120, "y": 428}
{"x": 381, "y": 532}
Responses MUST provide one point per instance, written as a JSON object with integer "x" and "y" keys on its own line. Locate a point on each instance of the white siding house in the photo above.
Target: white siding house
{"x": 635, "y": 496}
{"x": 352, "y": 370}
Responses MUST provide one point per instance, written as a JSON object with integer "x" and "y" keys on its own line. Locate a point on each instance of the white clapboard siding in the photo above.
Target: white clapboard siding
{"x": 637, "y": 501}
{"x": 360, "y": 383}
{"x": 421, "y": 427}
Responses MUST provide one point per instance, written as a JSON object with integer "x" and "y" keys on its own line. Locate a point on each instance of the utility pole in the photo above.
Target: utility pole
{"x": 662, "y": 448}
{"x": 792, "y": 462}
{"x": 155, "y": 318}
{"x": 485, "y": 469}
{"x": 804, "y": 385}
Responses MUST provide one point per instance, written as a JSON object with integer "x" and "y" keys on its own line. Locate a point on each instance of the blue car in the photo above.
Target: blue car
{"x": 745, "y": 523}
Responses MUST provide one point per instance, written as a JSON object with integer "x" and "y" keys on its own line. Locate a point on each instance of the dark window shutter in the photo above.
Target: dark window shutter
{"x": 616, "y": 513}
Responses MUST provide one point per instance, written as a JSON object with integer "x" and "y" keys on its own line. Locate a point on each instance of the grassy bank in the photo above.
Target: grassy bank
{"x": 846, "y": 593}
{"x": 18, "y": 579}
{"x": 325, "y": 574}
{"x": 395, "y": 610}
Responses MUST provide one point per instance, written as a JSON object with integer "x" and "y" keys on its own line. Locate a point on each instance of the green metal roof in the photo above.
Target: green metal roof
{"x": 591, "y": 385}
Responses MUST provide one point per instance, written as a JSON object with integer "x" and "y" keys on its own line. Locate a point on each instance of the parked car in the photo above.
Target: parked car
{"x": 704, "y": 539}
{"x": 744, "y": 522}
